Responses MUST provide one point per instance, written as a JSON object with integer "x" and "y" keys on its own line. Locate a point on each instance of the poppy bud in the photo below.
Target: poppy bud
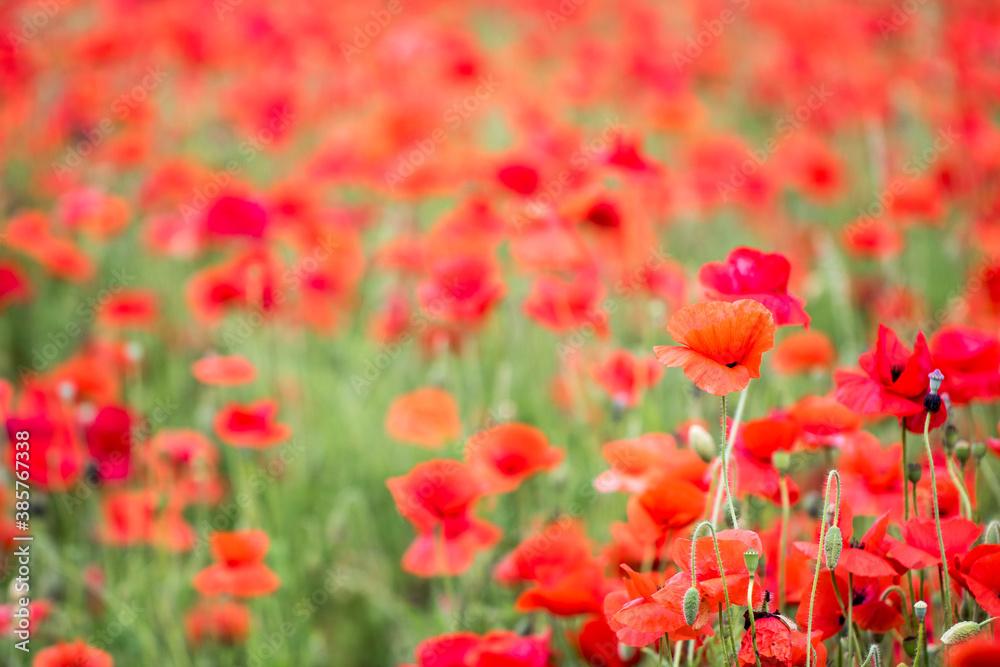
{"x": 914, "y": 472}
{"x": 701, "y": 442}
{"x": 960, "y": 632}
{"x": 910, "y": 646}
{"x": 979, "y": 450}
{"x": 920, "y": 609}
{"x": 950, "y": 436}
{"x": 936, "y": 378}
{"x": 752, "y": 560}
{"x": 782, "y": 461}
{"x": 832, "y": 546}
{"x": 962, "y": 451}
{"x": 691, "y": 603}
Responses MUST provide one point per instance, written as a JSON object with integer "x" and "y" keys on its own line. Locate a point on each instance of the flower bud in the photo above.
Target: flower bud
{"x": 691, "y": 603}
{"x": 782, "y": 461}
{"x": 960, "y": 632}
{"x": 992, "y": 532}
{"x": 963, "y": 450}
{"x": 920, "y": 609}
{"x": 832, "y": 546}
{"x": 950, "y": 437}
{"x": 979, "y": 450}
{"x": 701, "y": 442}
{"x": 752, "y": 560}
{"x": 914, "y": 471}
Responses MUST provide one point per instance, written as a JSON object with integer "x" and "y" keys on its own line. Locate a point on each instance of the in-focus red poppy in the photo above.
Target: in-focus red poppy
{"x": 219, "y": 621}
{"x": 732, "y": 543}
{"x": 251, "y": 425}
{"x": 778, "y": 645}
{"x": 427, "y": 417}
{"x": 74, "y": 654}
{"x": 894, "y": 382}
{"x": 461, "y": 289}
{"x": 639, "y": 463}
{"x": 438, "y": 497}
{"x": 749, "y": 273}
{"x": 624, "y": 377}
{"x": 803, "y": 352}
{"x": 721, "y": 343}
{"x": 870, "y": 611}
{"x": 109, "y": 441}
{"x": 224, "y": 370}
{"x": 15, "y": 287}
{"x": 970, "y": 361}
{"x": 920, "y": 547}
{"x": 979, "y": 572}
{"x": 643, "y": 612}
{"x": 507, "y": 454}
{"x": 239, "y": 569}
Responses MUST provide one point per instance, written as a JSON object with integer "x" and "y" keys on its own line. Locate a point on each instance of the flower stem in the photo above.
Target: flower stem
{"x": 959, "y": 483}
{"x": 725, "y": 464}
{"x": 946, "y": 581}
{"x": 728, "y": 636}
{"x": 782, "y": 555}
{"x": 906, "y": 496}
{"x": 819, "y": 554}
{"x": 753, "y": 621}
{"x": 717, "y": 503}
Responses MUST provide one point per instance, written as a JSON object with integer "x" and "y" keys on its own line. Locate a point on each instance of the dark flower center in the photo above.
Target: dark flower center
{"x": 732, "y": 365}
{"x": 896, "y": 371}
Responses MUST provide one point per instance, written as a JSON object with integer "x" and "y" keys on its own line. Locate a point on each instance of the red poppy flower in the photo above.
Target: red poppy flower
{"x": 509, "y": 649}
{"x": 979, "y": 572}
{"x": 642, "y": 613}
{"x": 560, "y": 305}
{"x": 642, "y": 462}
{"x": 130, "y": 309}
{"x": 185, "y": 462}
{"x": 894, "y": 382}
{"x": 75, "y": 654}
{"x": 624, "y": 377}
{"x": 870, "y": 611}
{"x": 871, "y": 475}
{"x": 721, "y": 343}
{"x": 803, "y": 352}
{"x": 15, "y": 287}
{"x": 251, "y": 425}
{"x": 234, "y": 217}
{"x": 109, "y": 440}
{"x": 438, "y": 497}
{"x": 753, "y": 449}
{"x": 778, "y": 645}
{"x": 56, "y": 460}
{"x": 669, "y": 505}
{"x": 507, "y": 454}
{"x": 981, "y": 651}
{"x": 448, "y": 650}
{"x": 427, "y": 416}
{"x": 969, "y": 359}
{"x": 920, "y": 547}
{"x": 597, "y": 644}
{"x": 131, "y": 518}
{"x": 867, "y": 557}
{"x": 239, "y": 569}
{"x": 748, "y": 273}
{"x": 224, "y": 371}
{"x": 93, "y": 212}
{"x": 221, "y": 621}
{"x": 733, "y": 544}
{"x": 824, "y": 421}
{"x": 461, "y": 289}
{"x": 873, "y": 237}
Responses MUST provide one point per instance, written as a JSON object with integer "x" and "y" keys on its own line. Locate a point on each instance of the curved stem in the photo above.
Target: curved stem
{"x": 717, "y": 503}
{"x": 782, "y": 555}
{"x": 722, "y": 574}
{"x": 959, "y": 483}
{"x": 819, "y": 554}
{"x": 946, "y": 581}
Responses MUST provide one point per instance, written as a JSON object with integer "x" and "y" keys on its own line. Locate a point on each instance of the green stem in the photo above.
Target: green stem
{"x": 725, "y": 466}
{"x": 782, "y": 555}
{"x": 920, "y": 644}
{"x": 819, "y": 555}
{"x": 946, "y": 584}
{"x": 906, "y": 496}
{"x": 850, "y": 616}
{"x": 717, "y": 503}
{"x": 959, "y": 483}
{"x": 753, "y": 621}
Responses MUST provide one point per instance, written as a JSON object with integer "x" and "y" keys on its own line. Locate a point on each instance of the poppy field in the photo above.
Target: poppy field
{"x": 499, "y": 334}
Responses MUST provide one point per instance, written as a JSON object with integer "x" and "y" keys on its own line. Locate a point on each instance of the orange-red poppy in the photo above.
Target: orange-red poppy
{"x": 507, "y": 454}
{"x": 721, "y": 343}
{"x": 804, "y": 351}
{"x": 427, "y": 416}
{"x": 251, "y": 425}
{"x": 239, "y": 569}
{"x": 221, "y": 621}
{"x": 224, "y": 371}
{"x": 73, "y": 654}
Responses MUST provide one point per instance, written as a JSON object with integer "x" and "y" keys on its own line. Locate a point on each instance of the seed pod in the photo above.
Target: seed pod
{"x": 701, "y": 442}
{"x": 979, "y": 450}
{"x": 782, "y": 461}
{"x": 962, "y": 451}
{"x": 960, "y": 632}
{"x": 691, "y": 603}
{"x": 752, "y": 560}
{"x": 832, "y": 546}
{"x": 914, "y": 472}
{"x": 920, "y": 609}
